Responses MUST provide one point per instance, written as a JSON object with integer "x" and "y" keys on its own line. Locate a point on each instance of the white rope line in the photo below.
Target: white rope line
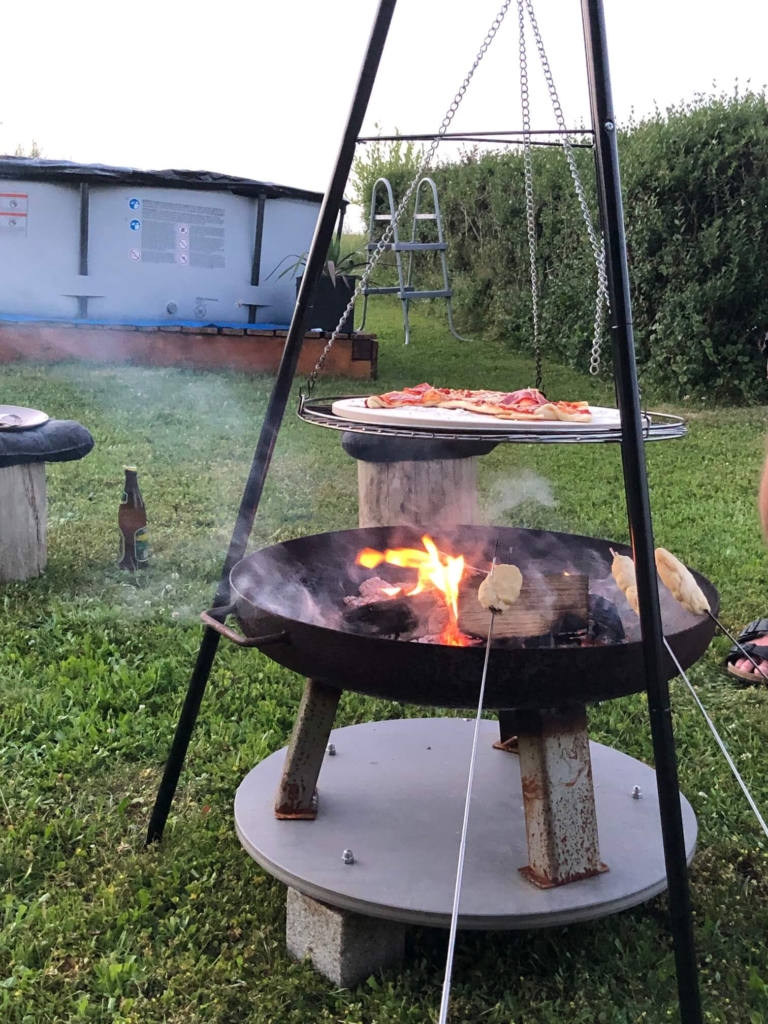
{"x": 720, "y": 743}
{"x": 446, "y": 997}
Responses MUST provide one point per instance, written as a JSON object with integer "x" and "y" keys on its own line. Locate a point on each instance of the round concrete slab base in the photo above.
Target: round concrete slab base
{"x": 394, "y": 796}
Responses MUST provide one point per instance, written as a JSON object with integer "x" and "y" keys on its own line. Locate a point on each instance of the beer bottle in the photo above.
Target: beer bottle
{"x": 132, "y": 520}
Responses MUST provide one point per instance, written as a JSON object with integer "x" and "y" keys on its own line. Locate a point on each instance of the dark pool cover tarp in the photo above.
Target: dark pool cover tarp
{"x": 37, "y": 169}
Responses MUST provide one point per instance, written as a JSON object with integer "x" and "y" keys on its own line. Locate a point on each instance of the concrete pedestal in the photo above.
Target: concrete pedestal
{"x": 346, "y": 948}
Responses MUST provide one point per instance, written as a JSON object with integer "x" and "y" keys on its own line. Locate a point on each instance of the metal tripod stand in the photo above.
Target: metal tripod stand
{"x": 633, "y": 459}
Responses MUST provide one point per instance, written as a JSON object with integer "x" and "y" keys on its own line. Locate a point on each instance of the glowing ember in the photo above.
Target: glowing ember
{"x": 439, "y": 572}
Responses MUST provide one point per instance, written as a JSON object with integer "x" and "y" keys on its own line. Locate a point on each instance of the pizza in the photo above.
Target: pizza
{"x": 526, "y": 404}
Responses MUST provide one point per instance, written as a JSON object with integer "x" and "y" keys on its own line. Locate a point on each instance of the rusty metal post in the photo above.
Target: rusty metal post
{"x": 558, "y": 796}
{"x": 507, "y": 740}
{"x": 297, "y": 794}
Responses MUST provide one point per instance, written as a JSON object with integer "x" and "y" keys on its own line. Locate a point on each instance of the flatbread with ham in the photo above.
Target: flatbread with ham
{"x": 526, "y": 404}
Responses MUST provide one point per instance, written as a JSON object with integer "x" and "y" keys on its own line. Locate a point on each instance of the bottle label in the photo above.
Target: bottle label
{"x": 141, "y": 544}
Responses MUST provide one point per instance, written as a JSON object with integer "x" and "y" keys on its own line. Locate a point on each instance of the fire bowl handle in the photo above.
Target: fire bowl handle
{"x": 233, "y": 635}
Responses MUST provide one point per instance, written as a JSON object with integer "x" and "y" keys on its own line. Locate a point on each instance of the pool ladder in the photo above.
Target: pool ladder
{"x": 404, "y": 289}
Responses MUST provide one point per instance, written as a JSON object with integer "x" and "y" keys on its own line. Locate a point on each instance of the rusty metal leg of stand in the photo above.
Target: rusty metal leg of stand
{"x": 507, "y": 740}
{"x": 297, "y": 795}
{"x": 558, "y": 795}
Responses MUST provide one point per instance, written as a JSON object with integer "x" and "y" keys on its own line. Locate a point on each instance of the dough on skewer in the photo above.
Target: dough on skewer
{"x": 623, "y": 570}
{"x": 680, "y": 583}
{"x": 631, "y": 595}
{"x": 500, "y": 588}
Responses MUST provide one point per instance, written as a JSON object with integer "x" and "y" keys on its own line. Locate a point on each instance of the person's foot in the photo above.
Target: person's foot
{"x": 745, "y": 665}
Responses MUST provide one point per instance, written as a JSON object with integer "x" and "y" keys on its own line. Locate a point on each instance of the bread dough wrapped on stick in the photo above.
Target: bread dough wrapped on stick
{"x": 680, "y": 583}
{"x": 500, "y": 588}
{"x": 623, "y": 570}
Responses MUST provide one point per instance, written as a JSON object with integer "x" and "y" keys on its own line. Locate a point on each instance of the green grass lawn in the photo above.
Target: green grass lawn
{"x": 94, "y": 664}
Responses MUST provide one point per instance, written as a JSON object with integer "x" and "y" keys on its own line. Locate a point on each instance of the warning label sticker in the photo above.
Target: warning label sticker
{"x": 13, "y": 213}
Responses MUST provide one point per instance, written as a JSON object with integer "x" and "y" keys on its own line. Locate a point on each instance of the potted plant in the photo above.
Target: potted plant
{"x": 334, "y": 289}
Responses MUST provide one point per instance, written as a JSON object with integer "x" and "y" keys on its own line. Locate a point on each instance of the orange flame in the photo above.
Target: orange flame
{"x": 436, "y": 571}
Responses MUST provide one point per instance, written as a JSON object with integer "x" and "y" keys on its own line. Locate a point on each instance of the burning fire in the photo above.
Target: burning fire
{"x": 436, "y": 571}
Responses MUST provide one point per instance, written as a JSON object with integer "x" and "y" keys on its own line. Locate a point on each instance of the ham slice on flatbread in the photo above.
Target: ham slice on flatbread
{"x": 526, "y": 404}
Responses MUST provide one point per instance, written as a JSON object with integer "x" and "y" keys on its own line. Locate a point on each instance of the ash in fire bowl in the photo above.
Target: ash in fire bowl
{"x": 554, "y": 609}
{"x": 401, "y": 584}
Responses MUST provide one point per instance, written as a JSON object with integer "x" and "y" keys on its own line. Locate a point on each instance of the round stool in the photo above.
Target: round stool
{"x": 23, "y": 505}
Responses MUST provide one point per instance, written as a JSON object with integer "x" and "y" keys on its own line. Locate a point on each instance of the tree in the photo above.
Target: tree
{"x": 34, "y": 150}
{"x": 396, "y": 161}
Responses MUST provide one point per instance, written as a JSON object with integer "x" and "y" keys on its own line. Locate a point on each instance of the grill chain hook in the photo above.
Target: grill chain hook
{"x": 595, "y": 241}
{"x": 387, "y": 236}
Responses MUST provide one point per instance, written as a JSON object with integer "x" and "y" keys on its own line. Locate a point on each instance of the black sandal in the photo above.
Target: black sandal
{"x": 754, "y": 631}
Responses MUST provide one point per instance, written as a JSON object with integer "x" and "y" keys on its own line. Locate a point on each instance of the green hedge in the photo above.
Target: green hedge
{"x": 695, "y": 183}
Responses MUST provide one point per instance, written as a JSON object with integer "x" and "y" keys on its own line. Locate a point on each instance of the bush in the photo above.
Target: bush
{"x": 695, "y": 183}
{"x": 398, "y": 162}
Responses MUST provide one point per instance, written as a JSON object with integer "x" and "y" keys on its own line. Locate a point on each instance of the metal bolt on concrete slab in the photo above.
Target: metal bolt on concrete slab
{"x": 637, "y": 793}
{"x": 330, "y": 750}
{"x": 348, "y": 857}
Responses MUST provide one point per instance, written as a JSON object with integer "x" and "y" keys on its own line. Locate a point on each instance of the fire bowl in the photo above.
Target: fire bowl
{"x": 289, "y": 601}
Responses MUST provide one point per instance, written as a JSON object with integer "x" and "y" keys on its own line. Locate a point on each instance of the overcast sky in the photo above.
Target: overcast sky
{"x": 262, "y": 88}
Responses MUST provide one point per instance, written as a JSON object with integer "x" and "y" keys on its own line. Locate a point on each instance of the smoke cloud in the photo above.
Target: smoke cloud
{"x": 509, "y": 492}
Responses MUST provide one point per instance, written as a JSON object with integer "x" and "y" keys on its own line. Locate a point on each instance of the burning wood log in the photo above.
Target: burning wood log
{"x": 399, "y": 615}
{"x": 543, "y": 601}
{"x": 373, "y": 591}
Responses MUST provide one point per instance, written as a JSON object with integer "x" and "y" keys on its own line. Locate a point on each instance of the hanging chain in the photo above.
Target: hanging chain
{"x": 529, "y": 207}
{"x": 597, "y": 244}
{"x": 386, "y": 238}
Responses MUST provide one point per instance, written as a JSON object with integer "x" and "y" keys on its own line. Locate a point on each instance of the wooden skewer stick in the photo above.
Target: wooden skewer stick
{"x": 760, "y": 671}
{"x": 702, "y": 602}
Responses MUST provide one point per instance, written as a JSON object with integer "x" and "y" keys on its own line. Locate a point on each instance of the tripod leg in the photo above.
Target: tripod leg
{"x": 181, "y": 739}
{"x": 278, "y": 401}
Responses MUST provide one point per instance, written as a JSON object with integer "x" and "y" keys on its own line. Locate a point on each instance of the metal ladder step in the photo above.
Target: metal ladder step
{"x": 410, "y": 293}
{"x": 442, "y": 293}
{"x": 409, "y": 246}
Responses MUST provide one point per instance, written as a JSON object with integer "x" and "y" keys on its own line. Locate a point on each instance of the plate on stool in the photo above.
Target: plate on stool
{"x": 17, "y": 417}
